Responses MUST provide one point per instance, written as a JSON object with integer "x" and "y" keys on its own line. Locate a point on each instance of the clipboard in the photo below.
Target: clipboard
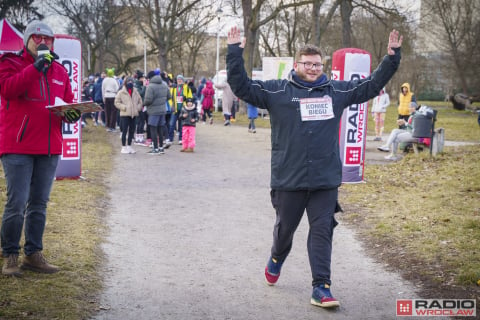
{"x": 83, "y": 107}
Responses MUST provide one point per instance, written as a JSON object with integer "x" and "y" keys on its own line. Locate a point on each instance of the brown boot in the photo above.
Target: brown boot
{"x": 37, "y": 263}
{"x": 10, "y": 266}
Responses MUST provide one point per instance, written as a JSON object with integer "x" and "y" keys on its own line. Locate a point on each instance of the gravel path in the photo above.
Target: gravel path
{"x": 189, "y": 236}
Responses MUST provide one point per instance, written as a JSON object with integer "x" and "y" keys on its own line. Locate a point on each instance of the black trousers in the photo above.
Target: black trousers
{"x": 110, "y": 113}
{"x": 127, "y": 124}
{"x": 320, "y": 206}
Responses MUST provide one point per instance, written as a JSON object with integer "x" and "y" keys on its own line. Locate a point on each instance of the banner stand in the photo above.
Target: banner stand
{"x": 69, "y": 50}
{"x": 350, "y": 64}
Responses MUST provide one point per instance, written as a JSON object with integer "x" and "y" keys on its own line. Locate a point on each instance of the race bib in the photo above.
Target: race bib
{"x": 179, "y": 99}
{"x": 313, "y": 109}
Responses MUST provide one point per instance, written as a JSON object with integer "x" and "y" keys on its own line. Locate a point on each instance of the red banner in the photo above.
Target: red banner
{"x": 350, "y": 64}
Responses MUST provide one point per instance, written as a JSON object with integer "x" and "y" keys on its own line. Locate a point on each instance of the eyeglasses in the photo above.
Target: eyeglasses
{"x": 38, "y": 39}
{"x": 310, "y": 65}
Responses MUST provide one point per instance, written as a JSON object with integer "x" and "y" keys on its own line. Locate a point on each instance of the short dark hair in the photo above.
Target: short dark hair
{"x": 308, "y": 50}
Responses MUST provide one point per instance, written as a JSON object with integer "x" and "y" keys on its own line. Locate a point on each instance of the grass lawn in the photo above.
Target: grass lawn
{"x": 421, "y": 215}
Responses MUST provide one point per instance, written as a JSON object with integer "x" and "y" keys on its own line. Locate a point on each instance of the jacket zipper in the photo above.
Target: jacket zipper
{"x": 23, "y": 128}
{"x": 49, "y": 115}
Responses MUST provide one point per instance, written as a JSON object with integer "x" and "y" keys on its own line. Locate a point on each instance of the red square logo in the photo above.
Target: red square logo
{"x": 70, "y": 148}
{"x": 404, "y": 307}
{"x": 353, "y": 155}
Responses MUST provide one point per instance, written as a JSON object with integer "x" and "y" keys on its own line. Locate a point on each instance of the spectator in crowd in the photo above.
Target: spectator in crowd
{"x": 87, "y": 95}
{"x": 404, "y": 99}
{"x": 179, "y": 93}
{"x": 109, "y": 91}
{"x": 129, "y": 102}
{"x": 252, "y": 114}
{"x": 208, "y": 94}
{"x": 203, "y": 81}
{"x": 227, "y": 101}
{"x": 398, "y": 136}
{"x": 189, "y": 116}
{"x": 156, "y": 98}
{"x": 98, "y": 97}
{"x": 141, "y": 119}
{"x": 167, "y": 78}
{"x": 379, "y": 109}
{"x": 193, "y": 90}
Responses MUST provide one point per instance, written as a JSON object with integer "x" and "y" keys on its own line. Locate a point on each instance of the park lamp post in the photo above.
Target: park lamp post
{"x": 145, "y": 55}
{"x": 218, "y": 13}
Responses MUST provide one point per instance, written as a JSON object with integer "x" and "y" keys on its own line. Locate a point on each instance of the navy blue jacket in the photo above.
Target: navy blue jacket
{"x": 305, "y": 154}
{"x": 97, "y": 91}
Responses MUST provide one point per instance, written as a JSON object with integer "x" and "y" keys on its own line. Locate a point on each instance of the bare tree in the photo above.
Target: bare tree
{"x": 459, "y": 37}
{"x": 372, "y": 32}
{"x": 346, "y": 9}
{"x": 194, "y": 39}
{"x": 19, "y": 13}
{"x": 290, "y": 29}
{"x": 320, "y": 23}
{"x": 381, "y": 9}
{"x": 285, "y": 32}
{"x": 99, "y": 25}
{"x": 169, "y": 27}
{"x": 253, "y": 20}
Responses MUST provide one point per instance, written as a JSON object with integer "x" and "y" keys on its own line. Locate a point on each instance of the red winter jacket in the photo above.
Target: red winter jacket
{"x": 26, "y": 126}
{"x": 208, "y": 92}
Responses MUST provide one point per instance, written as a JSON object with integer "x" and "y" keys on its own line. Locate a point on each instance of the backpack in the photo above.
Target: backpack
{"x": 98, "y": 98}
{"x": 89, "y": 91}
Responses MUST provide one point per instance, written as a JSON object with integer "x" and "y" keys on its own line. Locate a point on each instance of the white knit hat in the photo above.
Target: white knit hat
{"x": 36, "y": 27}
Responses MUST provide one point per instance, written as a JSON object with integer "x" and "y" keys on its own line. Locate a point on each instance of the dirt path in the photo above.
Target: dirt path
{"x": 190, "y": 235}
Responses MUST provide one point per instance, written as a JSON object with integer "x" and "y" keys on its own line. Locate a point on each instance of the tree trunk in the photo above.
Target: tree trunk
{"x": 346, "y": 9}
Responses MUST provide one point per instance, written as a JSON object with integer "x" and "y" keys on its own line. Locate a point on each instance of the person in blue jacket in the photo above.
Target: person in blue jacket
{"x": 306, "y": 170}
{"x": 252, "y": 114}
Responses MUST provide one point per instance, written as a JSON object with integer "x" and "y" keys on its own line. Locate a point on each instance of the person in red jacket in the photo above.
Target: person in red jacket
{"x": 208, "y": 94}
{"x": 30, "y": 143}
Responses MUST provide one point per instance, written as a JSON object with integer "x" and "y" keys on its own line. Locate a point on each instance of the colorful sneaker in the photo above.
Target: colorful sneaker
{"x": 272, "y": 271}
{"x": 322, "y": 297}
{"x": 146, "y": 143}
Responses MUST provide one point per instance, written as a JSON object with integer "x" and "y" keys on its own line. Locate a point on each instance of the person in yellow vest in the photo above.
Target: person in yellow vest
{"x": 405, "y": 98}
{"x": 179, "y": 92}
